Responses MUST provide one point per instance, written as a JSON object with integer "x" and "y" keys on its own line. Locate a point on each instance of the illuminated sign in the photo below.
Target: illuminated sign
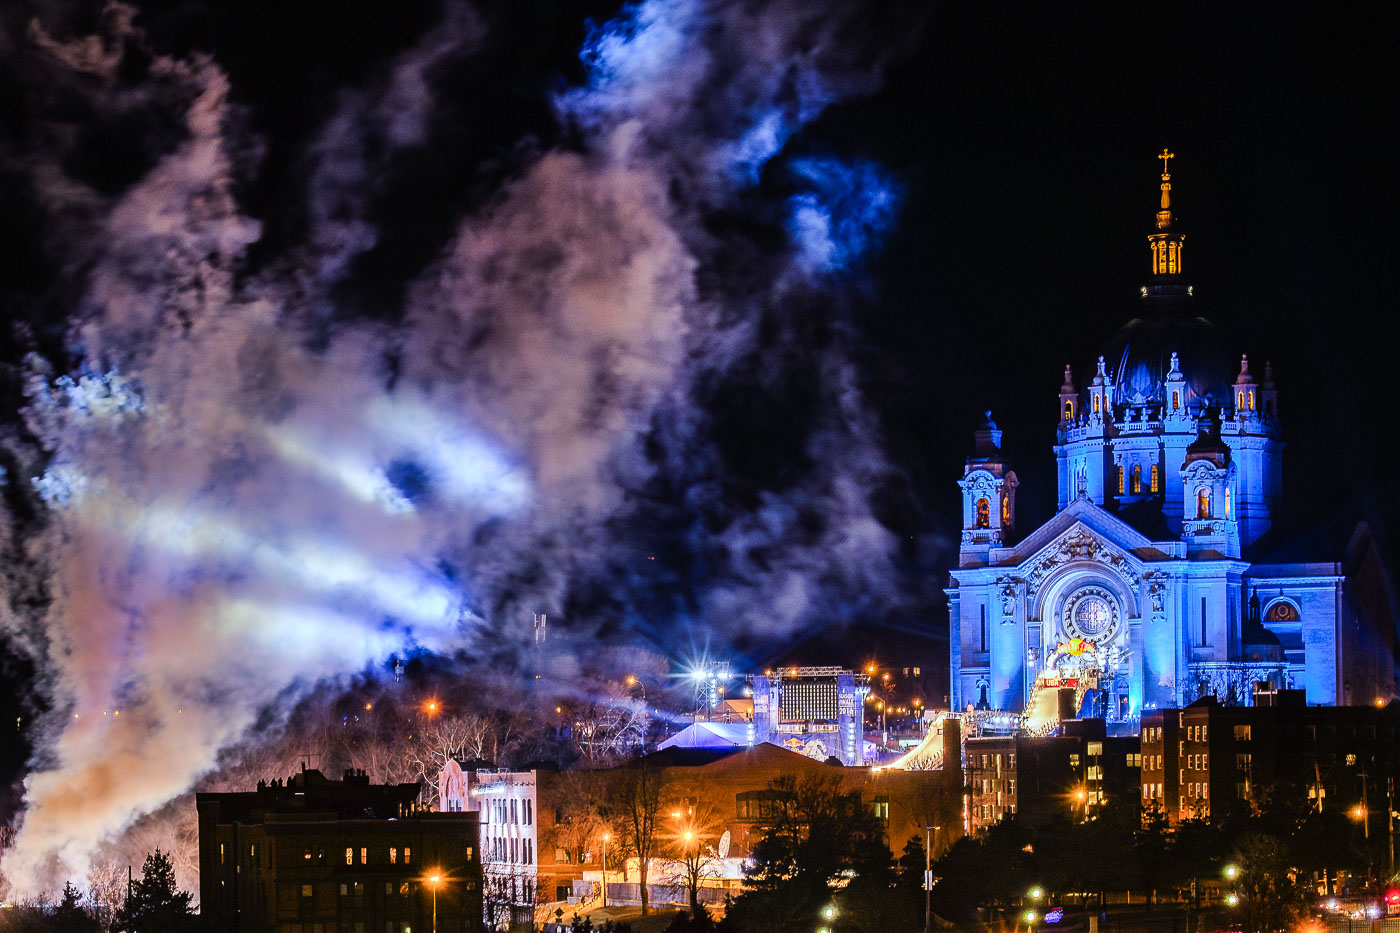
{"x": 1054, "y": 915}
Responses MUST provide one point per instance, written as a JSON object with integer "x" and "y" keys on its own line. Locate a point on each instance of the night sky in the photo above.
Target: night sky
{"x": 982, "y": 176}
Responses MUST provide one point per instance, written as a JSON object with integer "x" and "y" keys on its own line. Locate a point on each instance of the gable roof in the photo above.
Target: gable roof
{"x": 1102, "y": 523}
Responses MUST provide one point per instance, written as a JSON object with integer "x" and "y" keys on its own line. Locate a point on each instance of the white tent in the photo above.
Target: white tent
{"x": 710, "y": 735}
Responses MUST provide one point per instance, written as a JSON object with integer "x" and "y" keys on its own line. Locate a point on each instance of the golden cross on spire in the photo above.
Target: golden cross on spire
{"x": 1166, "y": 154}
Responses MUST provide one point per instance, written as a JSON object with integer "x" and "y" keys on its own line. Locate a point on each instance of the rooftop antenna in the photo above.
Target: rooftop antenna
{"x": 540, "y": 630}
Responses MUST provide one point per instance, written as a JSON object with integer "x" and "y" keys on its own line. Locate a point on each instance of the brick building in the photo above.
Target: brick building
{"x": 314, "y": 855}
{"x": 1200, "y": 759}
{"x": 1044, "y": 779}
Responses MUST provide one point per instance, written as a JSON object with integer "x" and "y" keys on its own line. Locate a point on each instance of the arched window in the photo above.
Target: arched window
{"x": 1228, "y": 504}
{"x": 1096, "y": 404}
{"x": 1282, "y": 611}
{"x": 1156, "y": 479}
{"x": 1176, "y": 400}
{"x": 1203, "y": 502}
{"x": 1251, "y": 400}
{"x": 1120, "y": 481}
{"x": 1005, "y": 511}
{"x": 1239, "y": 400}
{"x": 1137, "y": 478}
{"x": 1069, "y": 411}
{"x": 984, "y": 514}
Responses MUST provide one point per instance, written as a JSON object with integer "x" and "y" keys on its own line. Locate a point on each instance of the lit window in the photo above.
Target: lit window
{"x": 1120, "y": 481}
{"x": 306, "y": 890}
{"x": 364, "y": 856}
{"x": 306, "y": 854}
{"x": 393, "y": 856}
{"x": 1203, "y": 502}
{"x": 1176, "y": 400}
{"x": 1137, "y": 478}
{"x": 1156, "y": 479}
{"x": 407, "y": 855}
{"x": 349, "y": 856}
{"x": 984, "y": 512}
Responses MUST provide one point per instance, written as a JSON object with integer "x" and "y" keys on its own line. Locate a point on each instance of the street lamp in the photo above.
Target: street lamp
{"x": 434, "y": 881}
{"x": 606, "y": 837}
{"x": 1232, "y": 872}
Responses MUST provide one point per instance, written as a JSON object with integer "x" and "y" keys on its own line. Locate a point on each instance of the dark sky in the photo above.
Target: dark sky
{"x": 1024, "y": 137}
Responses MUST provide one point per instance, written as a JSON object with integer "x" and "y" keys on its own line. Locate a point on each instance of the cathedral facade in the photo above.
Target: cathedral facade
{"x": 1162, "y": 561}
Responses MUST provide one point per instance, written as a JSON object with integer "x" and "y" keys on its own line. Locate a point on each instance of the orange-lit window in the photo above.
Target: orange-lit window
{"x": 407, "y": 855}
{"x": 1096, "y": 404}
{"x": 1069, "y": 411}
{"x": 1176, "y": 401}
{"x": 1120, "y": 481}
{"x": 393, "y": 856}
{"x": 984, "y": 514}
{"x": 349, "y": 856}
{"x": 1005, "y": 511}
{"x": 1137, "y": 478}
{"x": 1251, "y": 400}
{"x": 1203, "y": 502}
{"x": 1156, "y": 479}
{"x": 1239, "y": 401}
{"x": 364, "y": 856}
{"x": 1171, "y": 257}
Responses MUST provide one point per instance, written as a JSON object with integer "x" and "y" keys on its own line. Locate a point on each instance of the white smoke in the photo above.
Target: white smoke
{"x": 226, "y": 525}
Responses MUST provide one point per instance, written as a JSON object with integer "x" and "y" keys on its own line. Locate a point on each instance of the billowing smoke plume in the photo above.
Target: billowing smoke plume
{"x": 248, "y": 492}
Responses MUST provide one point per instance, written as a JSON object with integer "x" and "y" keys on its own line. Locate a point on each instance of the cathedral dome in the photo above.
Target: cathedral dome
{"x": 1139, "y": 357}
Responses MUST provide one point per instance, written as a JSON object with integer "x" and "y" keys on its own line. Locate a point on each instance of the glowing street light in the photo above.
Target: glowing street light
{"x": 829, "y": 912}
{"x": 1232, "y": 899}
{"x": 606, "y": 837}
{"x": 1232, "y": 872}
{"x": 1036, "y": 893}
{"x": 434, "y": 881}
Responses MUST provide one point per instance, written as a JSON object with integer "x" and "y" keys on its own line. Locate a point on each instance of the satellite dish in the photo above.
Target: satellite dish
{"x": 724, "y": 845}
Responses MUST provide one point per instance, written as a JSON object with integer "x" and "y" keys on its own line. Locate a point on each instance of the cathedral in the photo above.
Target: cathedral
{"x": 1164, "y": 562}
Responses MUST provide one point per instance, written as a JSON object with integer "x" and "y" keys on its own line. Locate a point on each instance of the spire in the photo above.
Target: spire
{"x": 1164, "y": 216}
{"x": 1166, "y": 244}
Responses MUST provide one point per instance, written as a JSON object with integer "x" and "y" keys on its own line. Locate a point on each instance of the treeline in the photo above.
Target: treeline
{"x": 155, "y": 904}
{"x": 1280, "y": 847}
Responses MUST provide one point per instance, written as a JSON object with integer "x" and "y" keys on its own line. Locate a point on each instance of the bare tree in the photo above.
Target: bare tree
{"x": 692, "y": 836}
{"x": 633, "y": 811}
{"x": 610, "y": 730}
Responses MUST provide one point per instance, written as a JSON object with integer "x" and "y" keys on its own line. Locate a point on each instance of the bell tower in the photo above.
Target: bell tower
{"x": 989, "y": 497}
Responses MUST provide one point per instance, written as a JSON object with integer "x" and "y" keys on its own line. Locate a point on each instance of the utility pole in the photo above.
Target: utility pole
{"x": 930, "y": 836}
